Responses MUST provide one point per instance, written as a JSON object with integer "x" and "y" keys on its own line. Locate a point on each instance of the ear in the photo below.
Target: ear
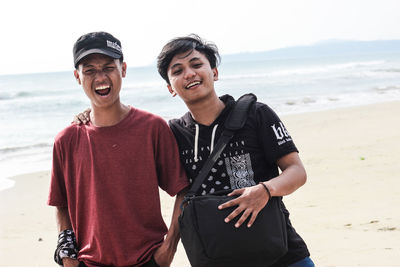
{"x": 76, "y": 74}
{"x": 123, "y": 70}
{"x": 215, "y": 71}
{"x": 171, "y": 91}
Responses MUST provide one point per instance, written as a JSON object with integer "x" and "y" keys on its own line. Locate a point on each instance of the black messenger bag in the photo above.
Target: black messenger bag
{"x": 207, "y": 239}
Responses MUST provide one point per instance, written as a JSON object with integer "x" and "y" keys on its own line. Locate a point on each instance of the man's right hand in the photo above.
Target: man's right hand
{"x": 83, "y": 117}
{"x": 68, "y": 262}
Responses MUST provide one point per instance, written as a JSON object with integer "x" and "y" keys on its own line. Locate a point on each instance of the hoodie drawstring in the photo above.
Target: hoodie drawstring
{"x": 196, "y": 141}
{"x": 212, "y": 138}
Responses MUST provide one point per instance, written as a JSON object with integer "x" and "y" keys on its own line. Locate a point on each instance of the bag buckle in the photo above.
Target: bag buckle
{"x": 186, "y": 200}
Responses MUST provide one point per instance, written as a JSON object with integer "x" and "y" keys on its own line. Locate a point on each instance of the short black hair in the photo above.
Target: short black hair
{"x": 184, "y": 44}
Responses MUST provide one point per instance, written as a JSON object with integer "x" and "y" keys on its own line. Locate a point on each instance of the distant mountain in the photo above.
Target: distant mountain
{"x": 325, "y": 48}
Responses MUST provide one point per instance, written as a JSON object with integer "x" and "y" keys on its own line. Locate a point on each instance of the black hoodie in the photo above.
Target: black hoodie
{"x": 250, "y": 157}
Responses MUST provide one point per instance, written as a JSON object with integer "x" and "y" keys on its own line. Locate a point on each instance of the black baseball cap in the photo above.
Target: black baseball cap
{"x": 96, "y": 43}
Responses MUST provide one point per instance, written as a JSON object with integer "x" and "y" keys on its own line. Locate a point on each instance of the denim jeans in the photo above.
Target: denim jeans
{"x": 306, "y": 262}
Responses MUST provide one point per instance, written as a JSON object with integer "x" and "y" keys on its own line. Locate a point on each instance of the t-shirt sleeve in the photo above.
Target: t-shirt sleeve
{"x": 275, "y": 138}
{"x": 171, "y": 175}
{"x": 57, "y": 193}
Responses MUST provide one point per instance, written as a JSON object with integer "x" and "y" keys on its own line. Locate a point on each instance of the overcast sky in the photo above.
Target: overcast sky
{"x": 37, "y": 36}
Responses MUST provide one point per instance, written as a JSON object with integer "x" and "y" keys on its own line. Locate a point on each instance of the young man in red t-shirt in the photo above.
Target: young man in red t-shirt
{"x": 106, "y": 173}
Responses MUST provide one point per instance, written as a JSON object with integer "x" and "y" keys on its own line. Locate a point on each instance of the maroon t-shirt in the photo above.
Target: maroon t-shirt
{"x": 108, "y": 177}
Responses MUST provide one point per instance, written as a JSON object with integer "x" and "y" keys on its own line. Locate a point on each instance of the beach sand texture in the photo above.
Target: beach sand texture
{"x": 348, "y": 211}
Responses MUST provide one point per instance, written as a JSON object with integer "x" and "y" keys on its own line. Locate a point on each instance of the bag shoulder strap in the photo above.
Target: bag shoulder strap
{"x": 235, "y": 121}
{"x": 238, "y": 116}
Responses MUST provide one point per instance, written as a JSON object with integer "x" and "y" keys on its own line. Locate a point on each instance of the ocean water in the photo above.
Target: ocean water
{"x": 35, "y": 107}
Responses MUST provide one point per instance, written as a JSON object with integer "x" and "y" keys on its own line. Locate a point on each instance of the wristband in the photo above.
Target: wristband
{"x": 266, "y": 189}
{"x": 66, "y": 247}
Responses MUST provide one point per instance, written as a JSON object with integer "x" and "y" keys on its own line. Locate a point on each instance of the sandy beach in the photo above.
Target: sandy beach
{"x": 348, "y": 211}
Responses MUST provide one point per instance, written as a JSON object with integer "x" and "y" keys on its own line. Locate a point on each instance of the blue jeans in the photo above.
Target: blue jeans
{"x": 306, "y": 262}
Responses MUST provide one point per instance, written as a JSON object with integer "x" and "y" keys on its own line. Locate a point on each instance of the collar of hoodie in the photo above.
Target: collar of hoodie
{"x": 190, "y": 123}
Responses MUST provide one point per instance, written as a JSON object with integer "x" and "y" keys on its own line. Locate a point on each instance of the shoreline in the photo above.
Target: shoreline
{"x": 8, "y": 182}
{"x": 346, "y": 212}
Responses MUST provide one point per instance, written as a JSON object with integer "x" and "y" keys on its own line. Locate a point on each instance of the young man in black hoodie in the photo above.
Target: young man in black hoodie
{"x": 254, "y": 154}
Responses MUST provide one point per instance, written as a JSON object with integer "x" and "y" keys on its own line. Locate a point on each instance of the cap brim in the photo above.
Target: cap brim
{"x": 96, "y": 51}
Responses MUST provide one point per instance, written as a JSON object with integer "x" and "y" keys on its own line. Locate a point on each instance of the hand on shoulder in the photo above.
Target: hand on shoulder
{"x": 83, "y": 117}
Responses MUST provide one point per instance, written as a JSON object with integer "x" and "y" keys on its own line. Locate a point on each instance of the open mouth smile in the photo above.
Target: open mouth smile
{"x": 103, "y": 90}
{"x": 192, "y": 84}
